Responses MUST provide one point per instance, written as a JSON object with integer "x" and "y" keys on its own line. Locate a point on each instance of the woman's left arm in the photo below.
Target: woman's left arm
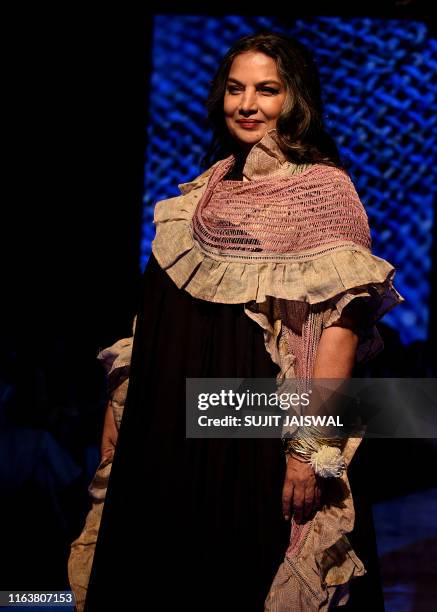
{"x": 335, "y": 358}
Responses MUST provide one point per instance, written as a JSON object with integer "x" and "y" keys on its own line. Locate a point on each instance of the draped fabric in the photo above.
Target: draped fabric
{"x": 294, "y": 245}
{"x": 291, "y": 246}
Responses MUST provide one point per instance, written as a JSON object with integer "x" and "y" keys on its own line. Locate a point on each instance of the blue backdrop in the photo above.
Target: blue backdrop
{"x": 380, "y": 105}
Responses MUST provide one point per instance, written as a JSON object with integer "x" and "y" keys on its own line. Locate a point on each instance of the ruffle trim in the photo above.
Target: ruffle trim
{"x": 116, "y": 360}
{"x": 232, "y": 278}
{"x": 320, "y": 562}
{"x": 359, "y": 309}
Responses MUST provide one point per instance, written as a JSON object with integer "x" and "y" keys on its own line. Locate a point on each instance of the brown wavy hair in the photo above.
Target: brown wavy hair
{"x": 302, "y": 135}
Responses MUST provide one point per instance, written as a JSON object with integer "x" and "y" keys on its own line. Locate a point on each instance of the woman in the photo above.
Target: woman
{"x": 260, "y": 268}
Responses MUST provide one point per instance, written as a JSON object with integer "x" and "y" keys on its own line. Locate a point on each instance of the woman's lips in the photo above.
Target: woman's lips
{"x": 249, "y": 124}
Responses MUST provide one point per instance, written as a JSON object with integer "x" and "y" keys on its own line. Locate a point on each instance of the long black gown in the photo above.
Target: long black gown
{"x": 190, "y": 524}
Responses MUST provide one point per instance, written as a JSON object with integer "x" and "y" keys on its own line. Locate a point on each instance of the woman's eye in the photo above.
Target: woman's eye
{"x": 232, "y": 89}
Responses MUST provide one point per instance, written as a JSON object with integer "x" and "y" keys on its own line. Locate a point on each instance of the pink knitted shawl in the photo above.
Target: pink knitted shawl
{"x": 280, "y": 215}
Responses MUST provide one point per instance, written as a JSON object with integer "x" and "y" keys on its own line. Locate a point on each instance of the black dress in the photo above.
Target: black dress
{"x": 196, "y": 522}
{"x": 188, "y": 523}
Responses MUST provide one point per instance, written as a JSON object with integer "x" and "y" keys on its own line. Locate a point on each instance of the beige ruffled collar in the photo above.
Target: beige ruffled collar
{"x": 265, "y": 158}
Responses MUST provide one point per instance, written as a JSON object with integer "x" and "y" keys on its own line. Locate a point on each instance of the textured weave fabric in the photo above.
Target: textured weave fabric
{"x": 305, "y": 212}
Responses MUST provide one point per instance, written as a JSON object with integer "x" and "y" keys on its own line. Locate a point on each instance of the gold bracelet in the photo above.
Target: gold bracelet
{"x": 324, "y": 454}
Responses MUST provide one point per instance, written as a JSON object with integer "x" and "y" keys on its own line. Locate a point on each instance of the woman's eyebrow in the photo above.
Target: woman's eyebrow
{"x": 258, "y": 84}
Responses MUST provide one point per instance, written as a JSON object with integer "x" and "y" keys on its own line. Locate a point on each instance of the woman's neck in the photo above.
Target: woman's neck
{"x": 236, "y": 172}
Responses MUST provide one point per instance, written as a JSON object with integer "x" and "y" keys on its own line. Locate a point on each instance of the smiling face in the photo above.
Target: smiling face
{"x": 253, "y": 98}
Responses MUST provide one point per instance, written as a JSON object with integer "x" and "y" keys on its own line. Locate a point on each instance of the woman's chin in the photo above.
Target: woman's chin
{"x": 247, "y": 140}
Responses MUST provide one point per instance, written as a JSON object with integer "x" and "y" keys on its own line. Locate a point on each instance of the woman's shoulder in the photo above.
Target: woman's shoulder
{"x": 332, "y": 182}
{"x": 315, "y": 170}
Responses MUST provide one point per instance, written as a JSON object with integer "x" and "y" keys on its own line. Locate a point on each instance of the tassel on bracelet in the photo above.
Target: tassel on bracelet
{"x": 323, "y": 454}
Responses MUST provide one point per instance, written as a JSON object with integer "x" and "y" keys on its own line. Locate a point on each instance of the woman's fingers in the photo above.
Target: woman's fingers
{"x": 308, "y": 501}
{"x": 298, "y": 503}
{"x": 287, "y": 499}
{"x": 301, "y": 493}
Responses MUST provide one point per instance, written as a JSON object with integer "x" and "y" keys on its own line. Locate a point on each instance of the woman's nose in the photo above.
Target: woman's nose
{"x": 248, "y": 102}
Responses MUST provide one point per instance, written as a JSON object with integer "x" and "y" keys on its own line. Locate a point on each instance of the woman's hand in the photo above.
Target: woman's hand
{"x": 109, "y": 435}
{"x": 301, "y": 493}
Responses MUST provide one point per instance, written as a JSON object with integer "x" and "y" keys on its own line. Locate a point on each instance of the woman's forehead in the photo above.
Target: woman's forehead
{"x": 253, "y": 64}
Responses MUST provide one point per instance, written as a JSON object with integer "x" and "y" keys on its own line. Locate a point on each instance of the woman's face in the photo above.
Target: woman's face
{"x": 254, "y": 97}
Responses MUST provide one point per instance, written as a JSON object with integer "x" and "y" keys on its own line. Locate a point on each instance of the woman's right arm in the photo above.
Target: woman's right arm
{"x": 116, "y": 361}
